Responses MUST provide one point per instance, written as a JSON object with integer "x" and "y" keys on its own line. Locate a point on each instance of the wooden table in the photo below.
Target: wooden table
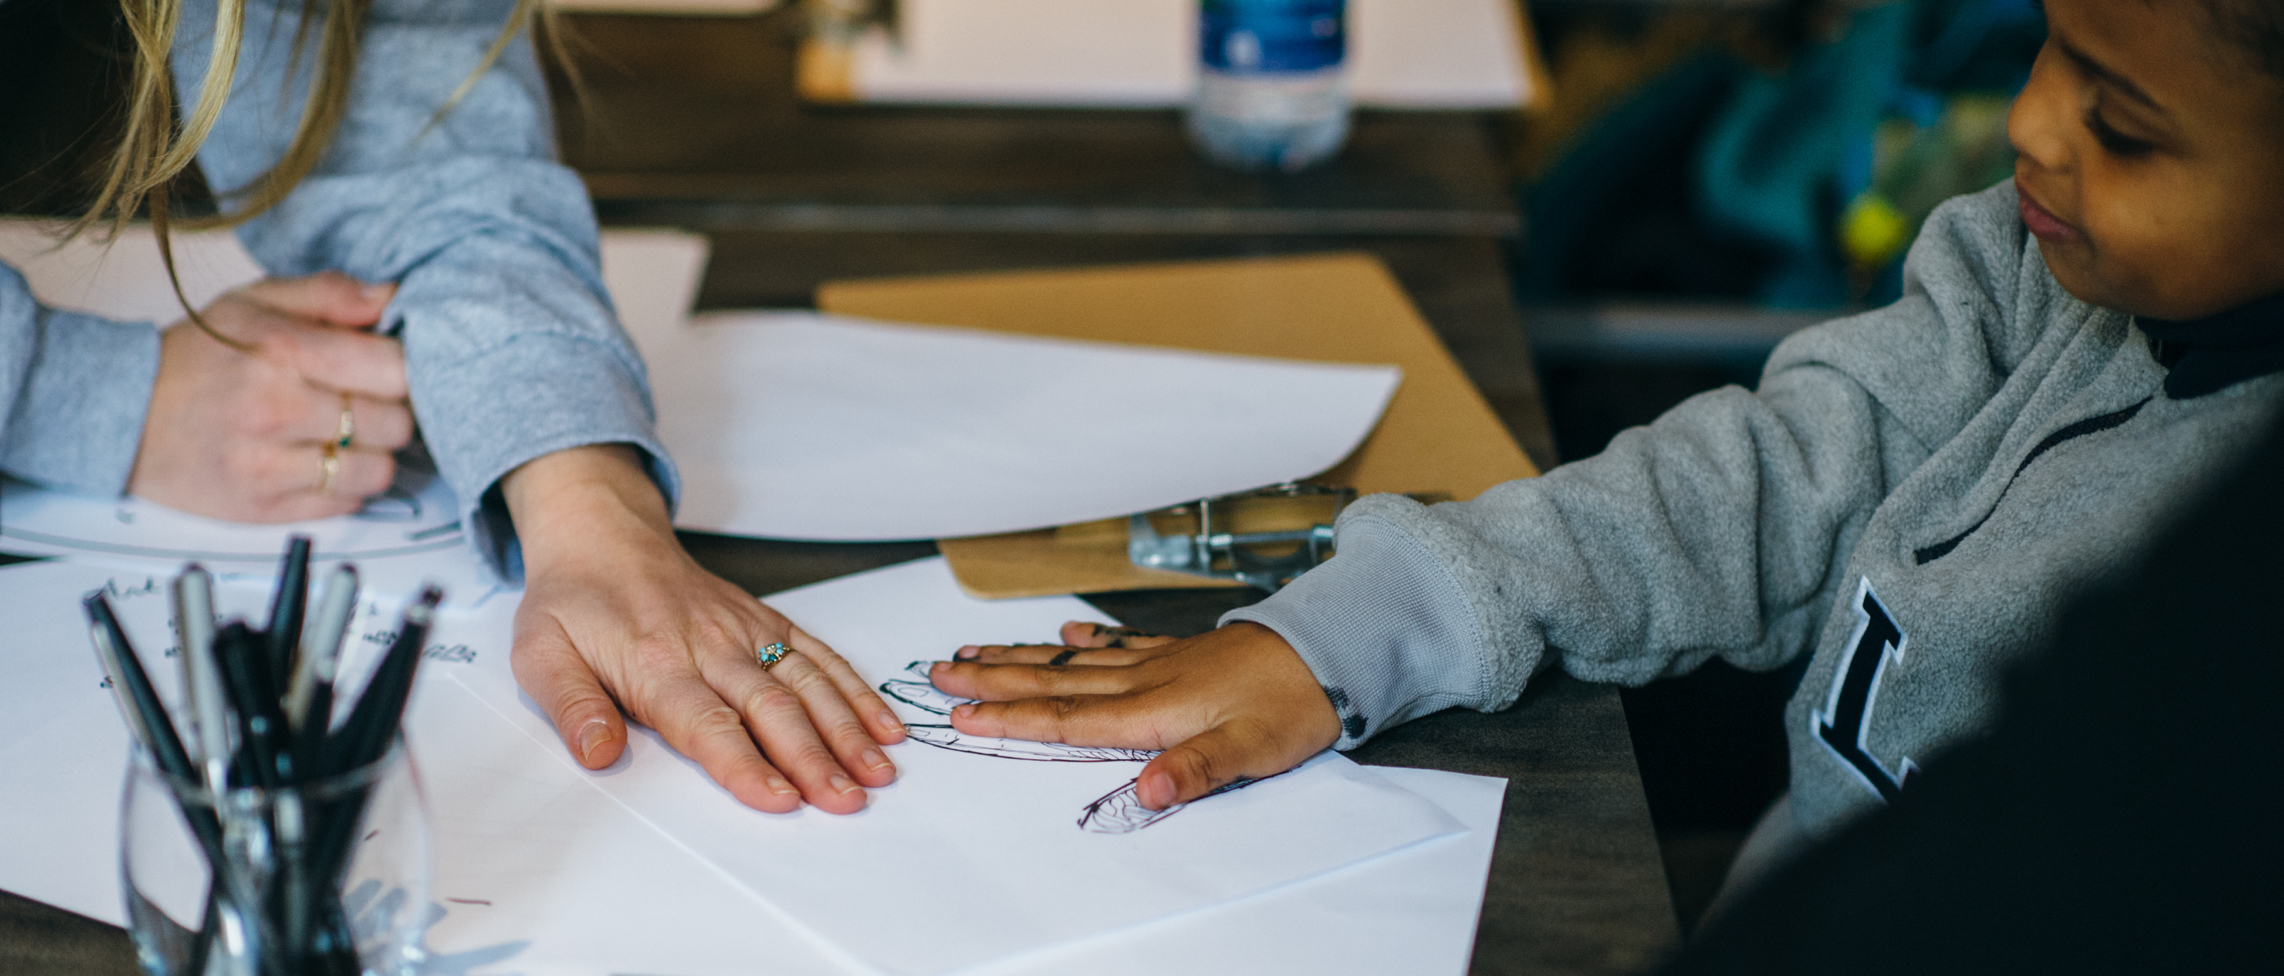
{"x": 691, "y": 123}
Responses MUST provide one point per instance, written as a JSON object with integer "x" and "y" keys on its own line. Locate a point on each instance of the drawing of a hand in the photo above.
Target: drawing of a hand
{"x": 1231, "y": 704}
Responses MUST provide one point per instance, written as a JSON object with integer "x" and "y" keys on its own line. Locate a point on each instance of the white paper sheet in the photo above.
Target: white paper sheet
{"x": 537, "y": 871}
{"x": 410, "y": 535}
{"x": 804, "y": 426}
{"x": 1442, "y": 54}
{"x": 964, "y": 838}
{"x": 1411, "y": 912}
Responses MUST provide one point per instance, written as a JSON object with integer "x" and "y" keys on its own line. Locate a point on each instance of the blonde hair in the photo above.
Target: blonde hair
{"x": 155, "y": 148}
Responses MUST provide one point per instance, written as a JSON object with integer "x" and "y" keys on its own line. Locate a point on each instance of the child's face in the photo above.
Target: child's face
{"x": 2151, "y": 160}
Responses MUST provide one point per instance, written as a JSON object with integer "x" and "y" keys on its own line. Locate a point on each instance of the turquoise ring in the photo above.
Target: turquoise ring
{"x": 771, "y": 654}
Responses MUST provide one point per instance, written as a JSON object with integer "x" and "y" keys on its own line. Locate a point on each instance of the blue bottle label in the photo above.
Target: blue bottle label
{"x": 1272, "y": 36}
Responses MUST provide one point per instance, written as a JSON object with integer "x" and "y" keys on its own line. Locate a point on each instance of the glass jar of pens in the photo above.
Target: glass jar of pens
{"x": 265, "y": 831}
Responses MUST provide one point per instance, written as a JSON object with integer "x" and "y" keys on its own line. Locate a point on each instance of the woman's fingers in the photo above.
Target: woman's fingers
{"x": 313, "y": 415}
{"x": 346, "y": 360}
{"x": 327, "y": 296}
{"x": 774, "y": 716}
{"x": 878, "y": 720}
{"x": 687, "y": 711}
{"x": 550, "y": 670}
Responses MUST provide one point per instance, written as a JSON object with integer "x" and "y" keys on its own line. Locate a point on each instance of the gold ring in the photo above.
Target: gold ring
{"x": 328, "y": 465}
{"x": 771, "y": 654}
{"x": 345, "y": 431}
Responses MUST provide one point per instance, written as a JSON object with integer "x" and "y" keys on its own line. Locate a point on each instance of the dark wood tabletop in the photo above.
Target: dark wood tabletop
{"x": 692, "y": 123}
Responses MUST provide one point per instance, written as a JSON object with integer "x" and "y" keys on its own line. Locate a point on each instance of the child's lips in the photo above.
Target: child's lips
{"x": 2044, "y": 225}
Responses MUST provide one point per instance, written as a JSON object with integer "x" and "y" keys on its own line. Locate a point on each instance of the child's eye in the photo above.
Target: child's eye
{"x": 2117, "y": 143}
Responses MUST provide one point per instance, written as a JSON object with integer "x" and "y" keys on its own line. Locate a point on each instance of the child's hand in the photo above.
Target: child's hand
{"x": 252, "y": 436}
{"x": 1236, "y": 702}
{"x": 616, "y": 615}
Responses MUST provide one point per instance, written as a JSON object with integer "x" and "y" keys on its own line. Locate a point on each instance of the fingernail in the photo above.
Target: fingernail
{"x": 779, "y": 786}
{"x": 591, "y": 736}
{"x": 1157, "y": 791}
{"x": 842, "y": 784}
{"x": 875, "y": 759}
{"x": 888, "y": 722}
{"x": 375, "y": 293}
{"x": 964, "y": 711}
{"x": 968, "y": 653}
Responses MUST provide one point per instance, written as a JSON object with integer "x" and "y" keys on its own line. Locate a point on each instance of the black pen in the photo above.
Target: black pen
{"x": 371, "y": 726}
{"x": 286, "y": 608}
{"x": 244, "y": 657}
{"x": 146, "y": 717}
{"x": 373, "y": 721}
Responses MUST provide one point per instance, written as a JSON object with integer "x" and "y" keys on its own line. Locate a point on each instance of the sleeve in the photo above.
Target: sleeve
{"x": 1720, "y": 529}
{"x": 74, "y": 389}
{"x": 511, "y": 344}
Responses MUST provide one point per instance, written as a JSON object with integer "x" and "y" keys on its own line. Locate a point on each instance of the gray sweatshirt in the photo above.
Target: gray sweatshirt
{"x": 511, "y": 344}
{"x": 1910, "y": 496}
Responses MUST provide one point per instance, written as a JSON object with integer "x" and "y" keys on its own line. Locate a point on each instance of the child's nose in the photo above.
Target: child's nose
{"x": 2038, "y": 123}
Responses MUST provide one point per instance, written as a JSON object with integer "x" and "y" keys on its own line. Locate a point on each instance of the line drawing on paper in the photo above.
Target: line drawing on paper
{"x": 924, "y": 696}
{"x": 946, "y": 737}
{"x": 1121, "y": 811}
{"x": 1118, "y": 812}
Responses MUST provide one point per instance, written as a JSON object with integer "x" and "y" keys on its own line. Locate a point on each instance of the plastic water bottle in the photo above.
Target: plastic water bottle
{"x": 1271, "y": 87}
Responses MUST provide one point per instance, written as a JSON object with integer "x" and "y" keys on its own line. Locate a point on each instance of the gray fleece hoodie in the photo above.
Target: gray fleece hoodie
{"x": 1910, "y": 496}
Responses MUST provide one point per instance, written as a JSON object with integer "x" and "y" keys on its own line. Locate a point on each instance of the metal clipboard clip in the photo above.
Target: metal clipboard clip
{"x": 1263, "y": 538}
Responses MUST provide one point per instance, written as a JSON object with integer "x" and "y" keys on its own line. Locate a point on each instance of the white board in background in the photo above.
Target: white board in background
{"x": 539, "y": 872}
{"x": 797, "y": 425}
{"x": 1415, "y": 54}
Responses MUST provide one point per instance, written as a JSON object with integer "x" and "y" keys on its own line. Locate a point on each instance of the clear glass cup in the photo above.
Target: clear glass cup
{"x": 328, "y": 878}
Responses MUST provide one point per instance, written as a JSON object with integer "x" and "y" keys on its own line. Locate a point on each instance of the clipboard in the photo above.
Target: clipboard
{"x": 1439, "y": 437}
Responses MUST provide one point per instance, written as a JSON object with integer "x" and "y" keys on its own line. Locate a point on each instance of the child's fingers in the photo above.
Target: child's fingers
{"x": 1048, "y": 654}
{"x": 1197, "y": 766}
{"x": 1001, "y": 682}
{"x": 1081, "y": 633}
{"x": 1119, "y": 722}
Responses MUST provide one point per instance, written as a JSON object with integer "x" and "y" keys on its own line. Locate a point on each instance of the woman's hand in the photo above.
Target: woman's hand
{"x": 615, "y": 615}
{"x": 243, "y": 436}
{"x": 1233, "y": 703}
